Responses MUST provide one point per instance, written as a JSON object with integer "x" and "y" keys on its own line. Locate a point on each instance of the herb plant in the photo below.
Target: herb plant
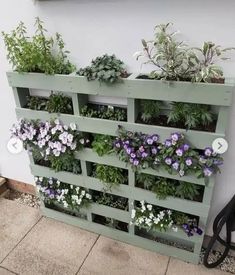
{"x": 109, "y": 175}
{"x": 106, "y": 68}
{"x": 111, "y": 200}
{"x": 164, "y": 188}
{"x": 38, "y": 53}
{"x": 102, "y": 144}
{"x": 190, "y": 115}
{"x": 187, "y": 190}
{"x": 150, "y": 109}
{"x": 36, "y": 103}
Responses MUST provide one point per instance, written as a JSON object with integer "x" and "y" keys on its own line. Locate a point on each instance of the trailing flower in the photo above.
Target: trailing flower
{"x": 53, "y": 191}
{"x": 174, "y": 154}
{"x": 154, "y": 218}
{"x": 51, "y": 141}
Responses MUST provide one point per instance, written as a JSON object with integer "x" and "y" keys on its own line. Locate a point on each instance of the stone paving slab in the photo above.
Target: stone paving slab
{"x": 117, "y": 258}
{"x": 5, "y": 272}
{"x": 51, "y": 248}
{"x": 15, "y": 221}
{"x": 177, "y": 267}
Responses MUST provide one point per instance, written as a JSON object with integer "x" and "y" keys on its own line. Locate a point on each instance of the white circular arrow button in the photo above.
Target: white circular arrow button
{"x": 220, "y": 145}
{"x": 15, "y": 146}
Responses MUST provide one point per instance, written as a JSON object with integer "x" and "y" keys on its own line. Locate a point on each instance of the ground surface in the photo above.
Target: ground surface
{"x": 32, "y": 245}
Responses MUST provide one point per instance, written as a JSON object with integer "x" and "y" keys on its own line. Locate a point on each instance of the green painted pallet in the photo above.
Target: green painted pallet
{"x": 133, "y": 89}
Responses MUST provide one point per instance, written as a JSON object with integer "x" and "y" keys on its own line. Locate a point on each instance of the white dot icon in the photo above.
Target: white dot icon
{"x": 15, "y": 146}
{"x": 220, "y": 145}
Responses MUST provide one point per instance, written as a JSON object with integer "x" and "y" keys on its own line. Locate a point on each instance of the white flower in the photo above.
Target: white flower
{"x": 73, "y": 126}
{"x": 56, "y": 152}
{"x": 133, "y": 212}
{"x": 151, "y": 216}
{"x": 48, "y": 151}
{"x": 150, "y": 207}
{"x": 63, "y": 149}
{"x": 58, "y": 182}
{"x": 40, "y": 179}
{"x": 156, "y": 220}
{"x": 88, "y": 196}
{"x": 70, "y": 137}
{"x": 175, "y": 228}
{"x": 66, "y": 127}
{"x": 79, "y": 201}
{"x": 66, "y": 191}
{"x": 73, "y": 146}
{"x": 142, "y": 202}
{"x": 82, "y": 141}
{"x": 83, "y": 193}
{"x": 77, "y": 189}
{"x": 65, "y": 204}
{"x": 53, "y": 130}
{"x": 57, "y": 121}
{"x": 36, "y": 179}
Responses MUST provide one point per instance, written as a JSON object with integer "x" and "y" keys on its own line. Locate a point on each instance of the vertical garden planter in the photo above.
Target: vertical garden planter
{"x": 133, "y": 90}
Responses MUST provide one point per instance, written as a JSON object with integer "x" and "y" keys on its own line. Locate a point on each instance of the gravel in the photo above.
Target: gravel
{"x": 23, "y": 198}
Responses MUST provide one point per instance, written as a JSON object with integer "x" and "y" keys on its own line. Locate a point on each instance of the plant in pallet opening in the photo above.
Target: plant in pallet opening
{"x": 176, "y": 61}
{"x": 105, "y": 112}
{"x": 109, "y": 175}
{"x": 52, "y": 140}
{"x": 69, "y": 196}
{"x": 174, "y": 154}
{"x": 111, "y": 201}
{"x": 155, "y": 218}
{"x": 102, "y": 144}
{"x": 38, "y": 53}
{"x": 164, "y": 187}
{"x": 150, "y": 109}
{"x": 55, "y": 103}
{"x": 190, "y": 115}
{"x": 106, "y": 68}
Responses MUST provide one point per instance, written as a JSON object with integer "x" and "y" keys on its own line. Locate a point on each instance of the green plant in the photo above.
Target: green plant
{"x": 205, "y": 67}
{"x": 146, "y": 180}
{"x": 180, "y": 218}
{"x": 112, "y": 201}
{"x": 37, "y": 53}
{"x": 102, "y": 144}
{"x": 59, "y": 103}
{"x": 164, "y": 188}
{"x": 109, "y": 175}
{"x": 187, "y": 190}
{"x": 105, "y": 112}
{"x": 36, "y": 103}
{"x": 150, "y": 109}
{"x": 106, "y": 68}
{"x": 190, "y": 115}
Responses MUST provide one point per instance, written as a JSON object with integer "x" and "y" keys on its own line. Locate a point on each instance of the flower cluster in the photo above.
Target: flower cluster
{"x": 148, "y": 217}
{"x": 174, "y": 154}
{"x": 136, "y": 148}
{"x": 155, "y": 218}
{"x": 69, "y": 196}
{"x": 52, "y": 140}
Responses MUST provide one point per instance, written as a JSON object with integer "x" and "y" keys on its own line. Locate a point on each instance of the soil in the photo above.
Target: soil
{"x": 23, "y": 198}
{"x": 162, "y": 121}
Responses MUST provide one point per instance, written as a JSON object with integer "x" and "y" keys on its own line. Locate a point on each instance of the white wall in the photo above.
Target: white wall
{"x": 94, "y": 27}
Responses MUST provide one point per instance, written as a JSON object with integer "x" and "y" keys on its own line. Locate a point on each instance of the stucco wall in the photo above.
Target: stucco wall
{"x": 94, "y": 27}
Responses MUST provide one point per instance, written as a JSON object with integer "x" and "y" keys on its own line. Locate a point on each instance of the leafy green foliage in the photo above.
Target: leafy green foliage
{"x": 164, "y": 188}
{"x": 105, "y": 112}
{"x": 106, "y": 68}
{"x": 109, "y": 175}
{"x": 150, "y": 109}
{"x": 55, "y": 103}
{"x": 205, "y": 67}
{"x": 187, "y": 190}
{"x": 190, "y": 115}
{"x": 37, "y": 53}
{"x": 180, "y": 218}
{"x": 102, "y": 144}
{"x": 112, "y": 201}
{"x": 176, "y": 61}
{"x": 146, "y": 180}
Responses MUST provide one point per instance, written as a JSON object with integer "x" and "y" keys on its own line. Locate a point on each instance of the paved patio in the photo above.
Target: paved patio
{"x": 32, "y": 245}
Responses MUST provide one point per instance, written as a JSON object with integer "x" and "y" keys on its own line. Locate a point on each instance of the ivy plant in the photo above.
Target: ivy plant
{"x": 106, "y": 68}
{"x": 190, "y": 115}
{"x": 39, "y": 53}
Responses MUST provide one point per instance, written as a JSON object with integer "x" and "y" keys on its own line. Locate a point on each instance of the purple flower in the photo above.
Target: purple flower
{"x": 202, "y": 159}
{"x": 133, "y": 155}
{"x": 168, "y": 143}
{"x": 175, "y": 136}
{"x": 181, "y": 173}
{"x": 186, "y": 147}
{"x": 128, "y": 150}
{"x": 168, "y": 161}
{"x": 141, "y": 149}
{"x": 117, "y": 144}
{"x": 189, "y": 161}
{"x": 144, "y": 155}
{"x": 207, "y": 172}
{"x": 155, "y": 138}
{"x": 149, "y": 141}
{"x": 176, "y": 165}
{"x": 154, "y": 150}
{"x": 127, "y": 142}
{"x": 131, "y": 160}
{"x": 208, "y": 151}
{"x": 136, "y": 162}
{"x": 179, "y": 152}
{"x": 218, "y": 162}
